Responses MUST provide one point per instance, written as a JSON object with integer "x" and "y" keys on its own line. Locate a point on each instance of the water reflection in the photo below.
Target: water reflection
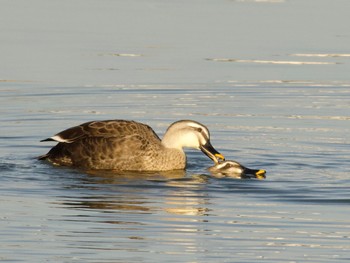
{"x": 110, "y": 176}
{"x": 179, "y": 215}
{"x": 164, "y": 213}
{"x": 173, "y": 192}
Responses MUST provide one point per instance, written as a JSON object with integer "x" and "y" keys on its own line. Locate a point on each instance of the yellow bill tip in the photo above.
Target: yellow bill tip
{"x": 260, "y": 174}
{"x": 220, "y": 156}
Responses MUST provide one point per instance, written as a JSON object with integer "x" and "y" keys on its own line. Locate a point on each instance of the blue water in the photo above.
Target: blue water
{"x": 271, "y": 99}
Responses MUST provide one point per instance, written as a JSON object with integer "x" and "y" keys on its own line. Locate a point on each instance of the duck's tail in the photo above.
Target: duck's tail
{"x": 58, "y": 151}
{"x": 43, "y": 157}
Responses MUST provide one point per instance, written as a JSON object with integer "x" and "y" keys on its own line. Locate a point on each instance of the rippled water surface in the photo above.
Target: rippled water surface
{"x": 271, "y": 81}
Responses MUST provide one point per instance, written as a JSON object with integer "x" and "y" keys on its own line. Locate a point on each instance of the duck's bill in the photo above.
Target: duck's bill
{"x": 259, "y": 174}
{"x": 213, "y": 154}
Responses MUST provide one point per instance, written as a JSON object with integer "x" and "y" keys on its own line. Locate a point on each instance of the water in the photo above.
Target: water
{"x": 269, "y": 79}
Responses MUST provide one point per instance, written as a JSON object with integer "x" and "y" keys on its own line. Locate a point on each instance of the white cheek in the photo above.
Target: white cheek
{"x": 202, "y": 141}
{"x": 236, "y": 170}
{"x": 190, "y": 140}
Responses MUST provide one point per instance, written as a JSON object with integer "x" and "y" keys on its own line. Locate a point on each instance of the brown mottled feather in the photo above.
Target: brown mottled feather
{"x": 114, "y": 144}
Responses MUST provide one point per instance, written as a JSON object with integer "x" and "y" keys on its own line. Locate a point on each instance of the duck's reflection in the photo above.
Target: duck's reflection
{"x": 116, "y": 176}
{"x": 156, "y": 213}
{"x": 173, "y": 192}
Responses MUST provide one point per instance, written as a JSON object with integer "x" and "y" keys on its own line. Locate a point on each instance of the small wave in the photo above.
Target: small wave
{"x": 16, "y": 80}
{"x": 7, "y": 167}
{"x": 120, "y": 54}
{"x": 323, "y": 55}
{"x": 286, "y": 82}
{"x": 338, "y": 118}
{"x": 106, "y": 69}
{"x": 262, "y": 1}
{"x": 280, "y": 62}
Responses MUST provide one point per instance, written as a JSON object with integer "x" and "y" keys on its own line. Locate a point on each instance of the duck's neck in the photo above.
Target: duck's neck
{"x": 172, "y": 159}
{"x": 172, "y": 155}
{"x": 170, "y": 142}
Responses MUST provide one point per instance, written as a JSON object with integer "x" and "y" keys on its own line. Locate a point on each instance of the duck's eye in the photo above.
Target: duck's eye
{"x": 199, "y": 130}
{"x": 229, "y": 165}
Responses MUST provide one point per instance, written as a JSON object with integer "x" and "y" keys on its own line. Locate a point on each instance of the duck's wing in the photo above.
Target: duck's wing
{"x": 104, "y": 129}
{"x": 72, "y": 134}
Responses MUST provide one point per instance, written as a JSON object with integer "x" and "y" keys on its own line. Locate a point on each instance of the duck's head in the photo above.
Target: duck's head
{"x": 191, "y": 134}
{"x": 234, "y": 169}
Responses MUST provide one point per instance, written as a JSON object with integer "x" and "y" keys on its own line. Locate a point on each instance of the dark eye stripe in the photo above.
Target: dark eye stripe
{"x": 205, "y": 135}
{"x": 202, "y": 132}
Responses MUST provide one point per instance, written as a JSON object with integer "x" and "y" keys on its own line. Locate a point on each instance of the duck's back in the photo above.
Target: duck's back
{"x": 112, "y": 144}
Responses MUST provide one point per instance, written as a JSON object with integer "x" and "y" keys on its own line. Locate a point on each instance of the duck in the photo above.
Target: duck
{"x": 125, "y": 145}
{"x": 230, "y": 168}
